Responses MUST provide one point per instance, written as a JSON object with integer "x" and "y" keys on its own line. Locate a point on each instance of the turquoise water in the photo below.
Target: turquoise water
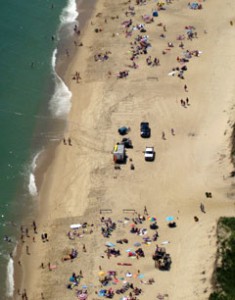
{"x": 26, "y": 87}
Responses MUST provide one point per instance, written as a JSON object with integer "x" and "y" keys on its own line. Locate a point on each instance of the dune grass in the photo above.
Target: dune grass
{"x": 224, "y": 275}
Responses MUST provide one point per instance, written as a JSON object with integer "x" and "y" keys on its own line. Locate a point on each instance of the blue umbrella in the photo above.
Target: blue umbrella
{"x": 169, "y": 218}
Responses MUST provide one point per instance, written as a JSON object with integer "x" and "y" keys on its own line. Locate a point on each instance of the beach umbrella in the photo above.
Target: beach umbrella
{"x": 101, "y": 273}
{"x": 152, "y": 219}
{"x": 82, "y": 296}
{"x": 170, "y": 218}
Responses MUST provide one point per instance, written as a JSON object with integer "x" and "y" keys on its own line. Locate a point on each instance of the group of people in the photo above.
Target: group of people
{"x": 108, "y": 226}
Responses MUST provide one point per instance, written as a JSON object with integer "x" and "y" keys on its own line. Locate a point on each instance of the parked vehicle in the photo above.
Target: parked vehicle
{"x": 119, "y": 154}
{"x": 145, "y": 130}
{"x": 149, "y": 154}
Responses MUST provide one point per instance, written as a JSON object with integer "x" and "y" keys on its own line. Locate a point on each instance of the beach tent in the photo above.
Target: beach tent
{"x": 155, "y": 13}
{"x": 123, "y": 130}
{"x": 75, "y": 226}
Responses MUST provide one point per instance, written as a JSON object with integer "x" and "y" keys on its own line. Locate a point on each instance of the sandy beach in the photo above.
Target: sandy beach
{"x": 191, "y": 121}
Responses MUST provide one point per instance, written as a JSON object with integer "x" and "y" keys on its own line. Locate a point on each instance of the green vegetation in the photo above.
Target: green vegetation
{"x": 225, "y": 270}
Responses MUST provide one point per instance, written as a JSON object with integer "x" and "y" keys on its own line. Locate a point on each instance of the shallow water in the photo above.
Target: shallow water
{"x": 28, "y": 110}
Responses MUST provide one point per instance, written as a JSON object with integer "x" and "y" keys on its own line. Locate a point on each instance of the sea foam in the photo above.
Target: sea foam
{"x": 69, "y": 13}
{"x": 10, "y": 278}
{"x": 60, "y": 103}
{"x": 32, "y": 183}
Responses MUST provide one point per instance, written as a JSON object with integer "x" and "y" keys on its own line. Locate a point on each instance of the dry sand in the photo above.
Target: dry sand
{"x": 81, "y": 179}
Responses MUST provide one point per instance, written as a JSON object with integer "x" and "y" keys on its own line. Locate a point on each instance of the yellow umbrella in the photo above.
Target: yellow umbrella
{"x": 101, "y": 273}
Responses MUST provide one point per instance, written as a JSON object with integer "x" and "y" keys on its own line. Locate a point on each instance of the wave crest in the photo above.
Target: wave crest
{"x": 60, "y": 103}
{"x": 69, "y": 13}
{"x": 10, "y": 278}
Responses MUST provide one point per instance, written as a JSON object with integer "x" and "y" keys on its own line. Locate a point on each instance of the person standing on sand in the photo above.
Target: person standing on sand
{"x": 27, "y": 232}
{"x": 84, "y": 248}
{"x": 34, "y": 227}
{"x": 43, "y": 237}
{"x": 145, "y": 211}
{"x": 22, "y": 238}
{"x": 202, "y": 208}
{"x": 185, "y": 88}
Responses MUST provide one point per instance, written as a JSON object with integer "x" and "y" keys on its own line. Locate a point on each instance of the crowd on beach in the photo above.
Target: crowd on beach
{"x": 123, "y": 278}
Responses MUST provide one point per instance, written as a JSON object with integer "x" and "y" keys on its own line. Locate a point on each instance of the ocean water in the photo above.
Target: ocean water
{"x": 32, "y": 99}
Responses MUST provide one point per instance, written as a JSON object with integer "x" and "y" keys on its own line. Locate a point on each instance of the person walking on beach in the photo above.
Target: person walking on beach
{"x": 187, "y": 101}
{"x": 185, "y": 88}
{"x": 70, "y": 141}
{"x": 172, "y": 131}
{"x": 163, "y": 135}
{"x": 27, "y": 250}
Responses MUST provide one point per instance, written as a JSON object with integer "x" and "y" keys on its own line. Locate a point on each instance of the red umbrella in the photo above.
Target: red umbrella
{"x": 82, "y": 296}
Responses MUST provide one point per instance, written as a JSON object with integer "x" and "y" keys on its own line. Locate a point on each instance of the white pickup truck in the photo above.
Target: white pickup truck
{"x": 149, "y": 154}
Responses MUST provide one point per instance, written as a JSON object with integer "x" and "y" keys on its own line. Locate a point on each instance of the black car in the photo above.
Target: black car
{"x": 145, "y": 131}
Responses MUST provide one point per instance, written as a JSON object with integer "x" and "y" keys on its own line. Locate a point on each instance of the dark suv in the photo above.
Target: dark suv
{"x": 145, "y": 130}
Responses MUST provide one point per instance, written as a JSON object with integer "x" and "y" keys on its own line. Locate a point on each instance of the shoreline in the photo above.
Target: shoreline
{"x": 60, "y": 154}
{"x": 47, "y": 157}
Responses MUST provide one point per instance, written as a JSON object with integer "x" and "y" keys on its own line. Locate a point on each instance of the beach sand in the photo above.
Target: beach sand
{"x": 81, "y": 180}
